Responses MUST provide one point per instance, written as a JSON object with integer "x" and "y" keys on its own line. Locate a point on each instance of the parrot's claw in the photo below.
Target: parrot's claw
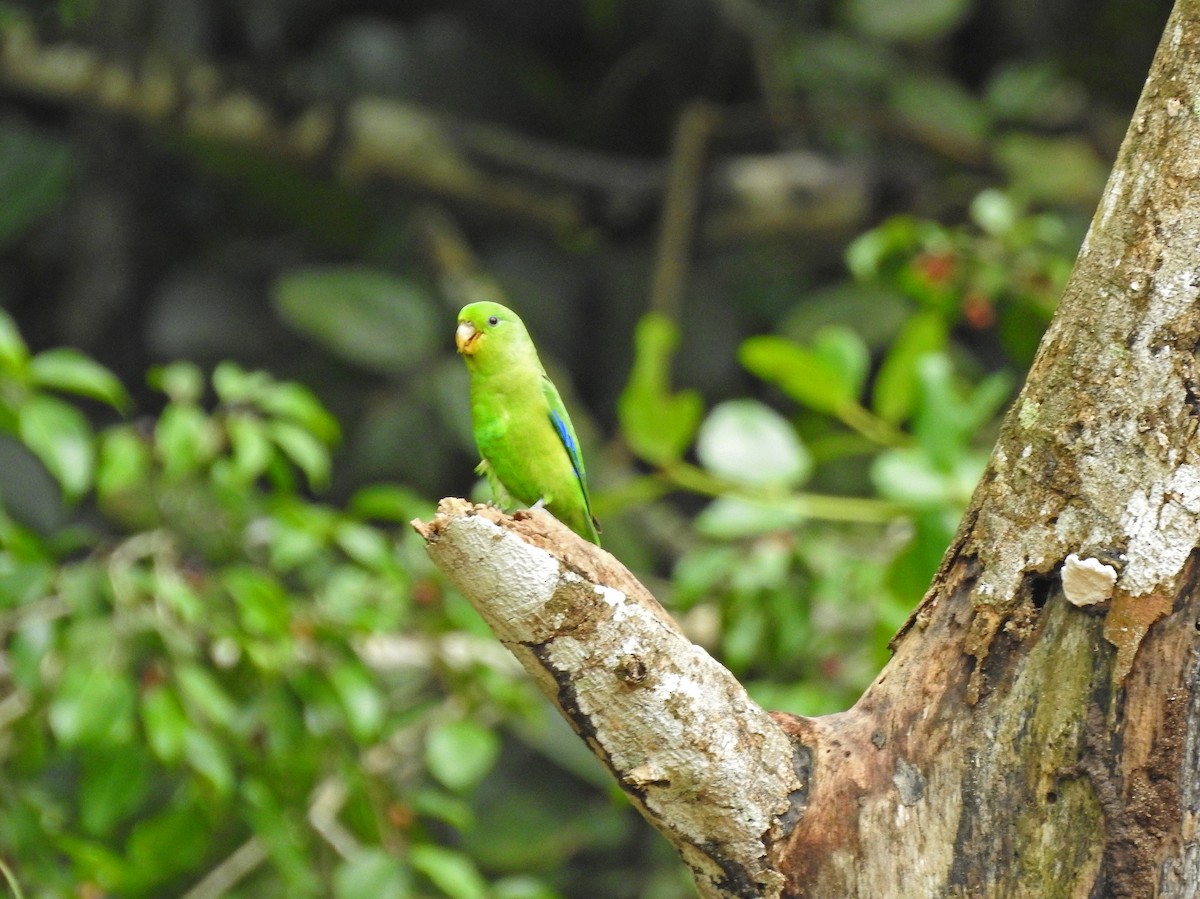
{"x": 540, "y": 504}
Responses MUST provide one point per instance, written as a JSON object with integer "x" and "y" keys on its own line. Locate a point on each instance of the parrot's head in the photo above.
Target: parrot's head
{"x": 488, "y": 330}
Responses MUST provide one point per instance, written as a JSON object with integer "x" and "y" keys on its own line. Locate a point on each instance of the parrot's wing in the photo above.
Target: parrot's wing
{"x": 566, "y": 433}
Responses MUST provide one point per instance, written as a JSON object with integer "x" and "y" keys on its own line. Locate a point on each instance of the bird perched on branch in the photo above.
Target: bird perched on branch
{"x": 529, "y": 448}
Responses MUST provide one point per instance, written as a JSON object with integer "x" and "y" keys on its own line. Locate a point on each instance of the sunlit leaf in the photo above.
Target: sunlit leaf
{"x": 846, "y": 352}
{"x": 750, "y": 443}
{"x": 733, "y": 518}
{"x": 251, "y": 446}
{"x": 201, "y": 691}
{"x": 71, "y": 371}
{"x": 371, "y": 874}
{"x": 896, "y": 384}
{"x": 451, "y": 872}
{"x": 183, "y": 382}
{"x": 300, "y": 405}
{"x": 460, "y": 753}
{"x": 798, "y": 371}
{"x": 124, "y": 461}
{"x": 13, "y": 353}
{"x": 59, "y": 435}
{"x": 304, "y": 450}
{"x": 658, "y": 424}
{"x": 186, "y": 439}
{"x": 366, "y": 545}
{"x": 92, "y": 705}
{"x": 164, "y": 722}
{"x": 209, "y": 758}
{"x": 359, "y": 694}
{"x": 261, "y": 600}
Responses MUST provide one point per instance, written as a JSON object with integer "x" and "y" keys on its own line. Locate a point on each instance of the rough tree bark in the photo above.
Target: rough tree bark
{"x": 1037, "y": 732}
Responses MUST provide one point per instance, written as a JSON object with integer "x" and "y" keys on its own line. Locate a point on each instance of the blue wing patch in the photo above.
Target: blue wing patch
{"x": 564, "y": 434}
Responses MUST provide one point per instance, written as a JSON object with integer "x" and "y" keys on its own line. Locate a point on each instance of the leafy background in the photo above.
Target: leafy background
{"x": 787, "y": 261}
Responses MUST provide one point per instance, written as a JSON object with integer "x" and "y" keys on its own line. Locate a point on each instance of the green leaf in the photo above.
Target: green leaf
{"x": 995, "y": 212}
{"x": 734, "y": 518}
{"x": 896, "y": 384}
{"x": 124, "y": 461}
{"x": 388, "y": 502}
{"x": 946, "y": 420}
{"x": 1052, "y": 169}
{"x": 186, "y": 439}
{"x": 262, "y": 602}
{"x": 366, "y": 545}
{"x": 201, "y": 691}
{"x": 71, "y": 371}
{"x": 875, "y": 312}
{"x": 304, "y": 450}
{"x": 250, "y": 445}
{"x": 275, "y": 825}
{"x": 460, "y": 753}
{"x": 1036, "y": 93}
{"x": 360, "y": 698}
{"x": 165, "y": 723}
{"x": 846, "y": 352}
{"x": 941, "y": 111}
{"x": 113, "y": 785}
{"x": 451, "y": 872}
{"x": 884, "y": 250}
{"x": 749, "y": 443}
{"x": 913, "y": 477}
{"x": 300, "y": 405}
{"x": 525, "y": 887}
{"x": 59, "y": 435}
{"x": 909, "y": 476}
{"x": 92, "y": 706}
{"x": 183, "y": 382}
{"x": 35, "y": 172}
{"x": 658, "y": 424}
{"x": 23, "y": 582}
{"x": 371, "y": 874}
{"x": 803, "y": 374}
{"x": 236, "y": 386}
{"x": 912, "y": 570}
{"x": 744, "y": 637}
{"x": 368, "y": 317}
{"x": 906, "y": 20}
{"x": 170, "y": 841}
{"x": 208, "y": 758}
{"x": 14, "y": 355}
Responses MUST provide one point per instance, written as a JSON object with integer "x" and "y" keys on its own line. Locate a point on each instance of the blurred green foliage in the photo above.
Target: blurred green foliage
{"x": 227, "y": 383}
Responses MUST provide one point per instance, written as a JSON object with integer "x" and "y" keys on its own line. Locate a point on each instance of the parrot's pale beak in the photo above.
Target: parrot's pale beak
{"x": 465, "y": 337}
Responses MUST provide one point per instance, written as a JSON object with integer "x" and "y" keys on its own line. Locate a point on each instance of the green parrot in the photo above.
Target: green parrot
{"x": 521, "y": 427}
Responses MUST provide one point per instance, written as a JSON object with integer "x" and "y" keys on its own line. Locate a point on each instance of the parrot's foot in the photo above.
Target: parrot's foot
{"x": 540, "y": 504}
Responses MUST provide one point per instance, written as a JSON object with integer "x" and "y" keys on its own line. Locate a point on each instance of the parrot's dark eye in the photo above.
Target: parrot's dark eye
{"x": 493, "y": 320}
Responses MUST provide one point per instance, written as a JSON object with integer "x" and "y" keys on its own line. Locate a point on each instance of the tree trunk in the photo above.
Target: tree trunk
{"x": 1037, "y": 732}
